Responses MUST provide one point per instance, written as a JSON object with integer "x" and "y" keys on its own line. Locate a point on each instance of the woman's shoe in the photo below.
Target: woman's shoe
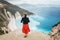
{"x": 25, "y": 36}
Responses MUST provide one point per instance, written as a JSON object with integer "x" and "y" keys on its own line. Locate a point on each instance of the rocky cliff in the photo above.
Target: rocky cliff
{"x": 6, "y": 7}
{"x": 13, "y": 8}
{"x": 55, "y": 32}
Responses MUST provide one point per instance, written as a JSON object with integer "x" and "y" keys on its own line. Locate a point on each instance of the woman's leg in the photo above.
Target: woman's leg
{"x": 25, "y": 35}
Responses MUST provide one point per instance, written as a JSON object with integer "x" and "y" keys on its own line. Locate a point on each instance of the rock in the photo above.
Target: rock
{"x": 4, "y": 16}
{"x": 55, "y": 33}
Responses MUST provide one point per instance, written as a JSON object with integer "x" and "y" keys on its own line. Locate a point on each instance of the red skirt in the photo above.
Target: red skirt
{"x": 25, "y": 28}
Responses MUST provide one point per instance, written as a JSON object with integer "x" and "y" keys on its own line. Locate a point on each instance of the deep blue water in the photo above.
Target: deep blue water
{"x": 51, "y": 15}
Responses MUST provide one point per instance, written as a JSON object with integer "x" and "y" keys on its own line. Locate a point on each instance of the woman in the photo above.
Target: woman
{"x": 25, "y": 29}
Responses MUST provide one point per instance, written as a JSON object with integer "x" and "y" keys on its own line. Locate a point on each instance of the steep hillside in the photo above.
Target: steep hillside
{"x": 55, "y": 33}
{"x": 13, "y": 8}
{"x": 6, "y": 7}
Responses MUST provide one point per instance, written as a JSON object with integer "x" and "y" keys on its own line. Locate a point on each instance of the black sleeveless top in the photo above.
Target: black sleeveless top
{"x": 25, "y": 20}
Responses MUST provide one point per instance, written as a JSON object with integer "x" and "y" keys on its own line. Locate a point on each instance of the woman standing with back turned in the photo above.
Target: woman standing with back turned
{"x": 25, "y": 29}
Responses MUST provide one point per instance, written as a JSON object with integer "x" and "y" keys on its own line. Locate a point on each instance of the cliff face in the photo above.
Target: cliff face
{"x": 13, "y": 8}
{"x": 6, "y": 7}
{"x": 55, "y": 33}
